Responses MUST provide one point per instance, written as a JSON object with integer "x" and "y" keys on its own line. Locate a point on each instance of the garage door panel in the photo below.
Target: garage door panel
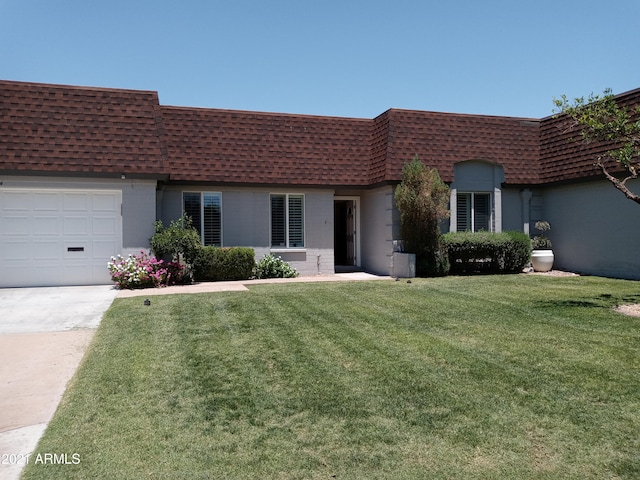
{"x": 46, "y": 250}
{"x": 13, "y": 250}
{"x": 58, "y": 237}
{"x": 75, "y": 226}
{"x": 18, "y": 275}
{"x": 46, "y": 202}
{"x": 16, "y": 225}
{"x": 103, "y": 249}
{"x": 76, "y": 202}
{"x": 105, "y": 203}
{"x": 16, "y": 202}
{"x": 84, "y": 275}
{"x": 47, "y": 274}
{"x": 103, "y": 225}
{"x": 100, "y": 275}
{"x": 49, "y": 225}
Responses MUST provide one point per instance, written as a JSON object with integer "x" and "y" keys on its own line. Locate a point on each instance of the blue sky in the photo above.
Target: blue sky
{"x": 330, "y": 57}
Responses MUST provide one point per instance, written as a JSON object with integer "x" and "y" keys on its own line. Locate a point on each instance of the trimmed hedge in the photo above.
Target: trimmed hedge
{"x": 213, "y": 264}
{"x": 486, "y": 252}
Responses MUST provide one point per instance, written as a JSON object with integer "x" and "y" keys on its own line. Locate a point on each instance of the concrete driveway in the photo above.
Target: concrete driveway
{"x": 44, "y": 333}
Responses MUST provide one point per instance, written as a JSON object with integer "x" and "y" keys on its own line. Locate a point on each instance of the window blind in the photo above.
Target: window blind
{"x": 278, "y": 225}
{"x": 296, "y": 221}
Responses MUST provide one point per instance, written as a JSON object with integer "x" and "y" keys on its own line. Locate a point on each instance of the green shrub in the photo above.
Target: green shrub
{"x": 222, "y": 263}
{"x": 486, "y": 252}
{"x": 518, "y": 252}
{"x": 434, "y": 263}
{"x": 270, "y": 266}
{"x": 179, "y": 238}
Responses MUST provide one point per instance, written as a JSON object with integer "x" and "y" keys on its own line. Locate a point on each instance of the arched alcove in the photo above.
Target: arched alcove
{"x": 476, "y": 196}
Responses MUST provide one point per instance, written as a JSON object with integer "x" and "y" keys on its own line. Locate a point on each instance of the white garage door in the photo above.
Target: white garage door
{"x": 58, "y": 237}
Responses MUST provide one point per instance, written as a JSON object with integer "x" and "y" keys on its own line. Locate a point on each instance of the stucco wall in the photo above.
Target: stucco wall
{"x": 594, "y": 229}
{"x": 513, "y": 216}
{"x": 246, "y": 217}
{"x": 377, "y": 230}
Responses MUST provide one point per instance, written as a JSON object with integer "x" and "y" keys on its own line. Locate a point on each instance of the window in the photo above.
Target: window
{"x": 473, "y": 212}
{"x": 287, "y": 221}
{"x": 205, "y": 210}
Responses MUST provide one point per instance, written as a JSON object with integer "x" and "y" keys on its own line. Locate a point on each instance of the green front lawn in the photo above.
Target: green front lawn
{"x": 488, "y": 377}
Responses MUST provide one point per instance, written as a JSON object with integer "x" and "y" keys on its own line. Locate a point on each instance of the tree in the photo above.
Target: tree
{"x": 603, "y": 119}
{"x": 179, "y": 238}
{"x": 422, "y": 199}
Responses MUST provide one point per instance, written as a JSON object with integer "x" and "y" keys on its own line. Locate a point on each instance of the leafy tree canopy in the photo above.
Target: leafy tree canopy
{"x": 600, "y": 118}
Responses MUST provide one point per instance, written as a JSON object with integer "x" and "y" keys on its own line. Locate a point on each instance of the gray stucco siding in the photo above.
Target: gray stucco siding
{"x": 138, "y": 214}
{"x": 512, "y": 212}
{"x": 377, "y": 225}
{"x": 594, "y": 229}
{"x": 246, "y": 214}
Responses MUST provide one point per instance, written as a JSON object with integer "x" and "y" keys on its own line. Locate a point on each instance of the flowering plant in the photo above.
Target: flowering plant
{"x": 144, "y": 271}
{"x": 271, "y": 266}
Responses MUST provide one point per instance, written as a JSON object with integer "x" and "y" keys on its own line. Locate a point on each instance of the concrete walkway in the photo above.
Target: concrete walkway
{"x": 241, "y": 285}
{"x": 44, "y": 333}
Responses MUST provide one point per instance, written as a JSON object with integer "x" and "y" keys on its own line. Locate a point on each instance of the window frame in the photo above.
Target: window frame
{"x": 472, "y": 211}
{"x": 201, "y": 228}
{"x": 287, "y": 222}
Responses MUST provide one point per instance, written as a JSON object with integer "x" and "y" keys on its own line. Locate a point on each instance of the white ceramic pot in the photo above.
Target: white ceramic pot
{"x": 542, "y": 260}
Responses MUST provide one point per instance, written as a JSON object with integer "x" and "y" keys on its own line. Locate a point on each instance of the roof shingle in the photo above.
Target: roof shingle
{"x": 60, "y": 129}
{"x": 55, "y": 128}
{"x": 564, "y": 157}
{"x": 225, "y": 146}
{"x": 443, "y": 139}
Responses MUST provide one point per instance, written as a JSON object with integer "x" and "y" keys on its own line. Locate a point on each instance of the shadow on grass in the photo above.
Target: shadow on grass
{"x": 604, "y": 300}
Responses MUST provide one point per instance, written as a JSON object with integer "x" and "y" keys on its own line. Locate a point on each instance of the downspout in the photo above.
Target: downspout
{"x": 526, "y": 209}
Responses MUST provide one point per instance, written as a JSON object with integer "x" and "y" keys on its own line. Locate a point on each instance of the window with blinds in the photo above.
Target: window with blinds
{"x": 287, "y": 220}
{"x": 205, "y": 210}
{"x": 473, "y": 212}
{"x": 278, "y": 221}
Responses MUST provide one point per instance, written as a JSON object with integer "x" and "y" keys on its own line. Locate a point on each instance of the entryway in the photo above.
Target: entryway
{"x": 346, "y": 233}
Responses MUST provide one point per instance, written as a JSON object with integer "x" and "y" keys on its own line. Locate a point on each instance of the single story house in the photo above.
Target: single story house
{"x": 85, "y": 173}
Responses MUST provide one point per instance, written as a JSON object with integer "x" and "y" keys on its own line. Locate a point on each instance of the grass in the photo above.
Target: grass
{"x": 496, "y": 377}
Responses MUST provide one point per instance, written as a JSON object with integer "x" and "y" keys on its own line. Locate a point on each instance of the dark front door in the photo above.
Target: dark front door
{"x": 345, "y": 232}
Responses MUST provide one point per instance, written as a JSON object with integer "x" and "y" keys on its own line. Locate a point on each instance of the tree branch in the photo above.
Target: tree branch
{"x": 620, "y": 184}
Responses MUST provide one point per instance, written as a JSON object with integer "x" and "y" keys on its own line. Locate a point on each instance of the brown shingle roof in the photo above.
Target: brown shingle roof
{"x": 207, "y": 145}
{"x": 55, "y": 129}
{"x": 564, "y": 157}
{"x": 269, "y": 148}
{"x": 80, "y": 130}
{"x": 444, "y": 139}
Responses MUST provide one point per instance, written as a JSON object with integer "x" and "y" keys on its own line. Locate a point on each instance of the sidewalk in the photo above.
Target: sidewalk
{"x": 241, "y": 285}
